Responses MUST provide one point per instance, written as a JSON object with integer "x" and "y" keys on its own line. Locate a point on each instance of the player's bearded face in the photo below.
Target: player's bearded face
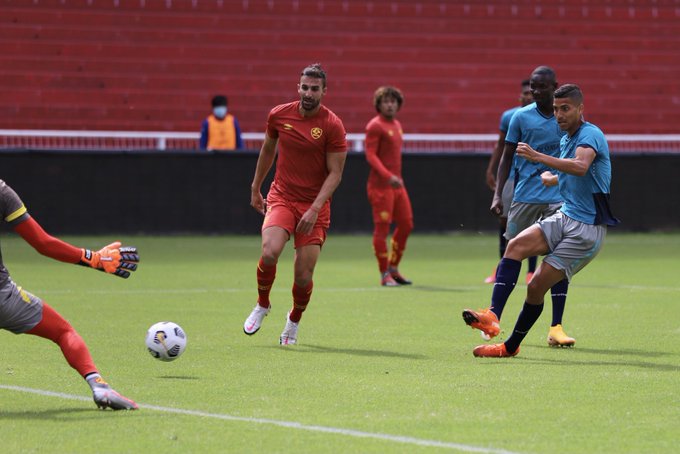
{"x": 311, "y": 91}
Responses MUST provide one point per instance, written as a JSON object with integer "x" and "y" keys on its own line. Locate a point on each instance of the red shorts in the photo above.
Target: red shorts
{"x": 286, "y": 214}
{"x": 389, "y": 204}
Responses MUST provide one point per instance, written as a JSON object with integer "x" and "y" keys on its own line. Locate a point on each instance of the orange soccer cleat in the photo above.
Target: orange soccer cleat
{"x": 483, "y": 320}
{"x": 493, "y": 351}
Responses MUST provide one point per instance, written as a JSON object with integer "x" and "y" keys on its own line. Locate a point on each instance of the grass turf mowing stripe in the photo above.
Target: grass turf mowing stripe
{"x": 287, "y": 424}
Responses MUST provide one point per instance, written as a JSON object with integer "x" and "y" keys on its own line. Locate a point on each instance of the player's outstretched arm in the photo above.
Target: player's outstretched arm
{"x": 112, "y": 259}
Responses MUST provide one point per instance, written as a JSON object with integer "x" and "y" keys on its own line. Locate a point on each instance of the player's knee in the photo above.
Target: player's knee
{"x": 303, "y": 278}
{"x": 270, "y": 253}
{"x": 381, "y": 230}
{"x": 405, "y": 225}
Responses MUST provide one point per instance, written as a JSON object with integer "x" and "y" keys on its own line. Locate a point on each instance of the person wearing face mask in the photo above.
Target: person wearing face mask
{"x": 220, "y": 130}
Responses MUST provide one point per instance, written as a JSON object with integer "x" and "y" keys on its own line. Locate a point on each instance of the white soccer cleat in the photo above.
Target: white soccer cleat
{"x": 106, "y": 397}
{"x": 254, "y": 320}
{"x": 289, "y": 334}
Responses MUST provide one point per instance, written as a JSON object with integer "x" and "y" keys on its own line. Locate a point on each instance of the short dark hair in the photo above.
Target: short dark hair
{"x": 387, "y": 91}
{"x": 219, "y": 100}
{"x": 546, "y": 71}
{"x": 316, "y": 71}
{"x": 571, "y": 91}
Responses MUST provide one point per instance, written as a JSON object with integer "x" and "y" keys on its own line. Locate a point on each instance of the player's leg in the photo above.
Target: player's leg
{"x": 545, "y": 277}
{"x": 278, "y": 222}
{"x": 502, "y": 244}
{"x": 54, "y": 327}
{"x": 403, "y": 217}
{"x": 529, "y": 242}
{"x": 382, "y": 202}
{"x": 305, "y": 261}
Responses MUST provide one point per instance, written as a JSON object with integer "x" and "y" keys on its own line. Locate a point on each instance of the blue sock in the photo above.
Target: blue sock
{"x": 559, "y": 299}
{"x": 526, "y": 319}
{"x": 532, "y": 264}
{"x": 507, "y": 273}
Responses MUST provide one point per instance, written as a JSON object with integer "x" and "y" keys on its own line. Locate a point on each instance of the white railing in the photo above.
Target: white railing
{"x": 160, "y": 140}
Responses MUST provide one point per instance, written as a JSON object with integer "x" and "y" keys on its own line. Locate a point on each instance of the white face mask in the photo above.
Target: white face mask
{"x": 220, "y": 111}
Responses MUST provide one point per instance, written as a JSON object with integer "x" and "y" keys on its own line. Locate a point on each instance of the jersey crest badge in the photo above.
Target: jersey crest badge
{"x": 317, "y": 132}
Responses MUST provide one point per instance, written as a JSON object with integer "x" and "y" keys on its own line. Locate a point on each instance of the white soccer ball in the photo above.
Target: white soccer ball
{"x": 166, "y": 341}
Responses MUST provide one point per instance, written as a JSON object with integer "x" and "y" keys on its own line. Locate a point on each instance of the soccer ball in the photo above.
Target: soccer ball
{"x": 166, "y": 341}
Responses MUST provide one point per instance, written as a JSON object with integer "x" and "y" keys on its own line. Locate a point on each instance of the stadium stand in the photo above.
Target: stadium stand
{"x": 152, "y": 65}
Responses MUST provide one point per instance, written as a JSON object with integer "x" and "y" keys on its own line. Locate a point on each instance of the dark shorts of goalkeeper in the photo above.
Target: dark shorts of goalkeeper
{"x": 286, "y": 214}
{"x": 20, "y": 310}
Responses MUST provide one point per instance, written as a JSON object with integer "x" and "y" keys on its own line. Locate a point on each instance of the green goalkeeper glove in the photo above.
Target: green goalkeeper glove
{"x": 112, "y": 259}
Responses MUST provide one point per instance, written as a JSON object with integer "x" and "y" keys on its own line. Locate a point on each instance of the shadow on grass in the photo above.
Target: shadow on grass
{"x": 54, "y": 414}
{"x": 307, "y": 348}
{"x": 640, "y": 364}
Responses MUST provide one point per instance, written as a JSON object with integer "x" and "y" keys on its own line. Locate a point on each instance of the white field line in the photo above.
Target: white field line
{"x": 287, "y": 424}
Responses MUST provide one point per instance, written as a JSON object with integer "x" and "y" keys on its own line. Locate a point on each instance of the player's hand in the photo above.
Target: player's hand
{"x": 525, "y": 151}
{"x": 497, "y": 206}
{"x": 491, "y": 180}
{"x": 112, "y": 259}
{"x": 257, "y": 202}
{"x": 396, "y": 182}
{"x": 549, "y": 179}
{"x": 307, "y": 221}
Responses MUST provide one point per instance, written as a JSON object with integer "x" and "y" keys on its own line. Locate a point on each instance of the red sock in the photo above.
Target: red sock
{"x": 401, "y": 233}
{"x": 380, "y": 232}
{"x": 265, "y": 278}
{"x": 55, "y": 328}
{"x": 301, "y": 297}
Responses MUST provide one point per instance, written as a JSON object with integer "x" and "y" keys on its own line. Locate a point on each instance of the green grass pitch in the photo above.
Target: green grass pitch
{"x": 376, "y": 369}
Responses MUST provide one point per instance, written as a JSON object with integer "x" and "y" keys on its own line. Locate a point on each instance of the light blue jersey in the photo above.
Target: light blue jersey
{"x": 505, "y": 119}
{"x": 503, "y": 127}
{"x": 542, "y": 133}
{"x": 586, "y": 198}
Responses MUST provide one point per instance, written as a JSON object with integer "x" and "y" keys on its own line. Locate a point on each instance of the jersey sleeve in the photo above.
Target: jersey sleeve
{"x": 271, "y": 124}
{"x": 337, "y": 138}
{"x": 514, "y": 129}
{"x": 12, "y": 209}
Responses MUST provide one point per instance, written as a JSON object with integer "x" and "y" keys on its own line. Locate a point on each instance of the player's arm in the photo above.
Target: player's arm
{"x": 578, "y": 165}
{"x": 264, "y": 164}
{"x": 502, "y": 176}
{"x": 372, "y": 146}
{"x": 112, "y": 259}
{"x": 335, "y": 163}
{"x": 492, "y": 168}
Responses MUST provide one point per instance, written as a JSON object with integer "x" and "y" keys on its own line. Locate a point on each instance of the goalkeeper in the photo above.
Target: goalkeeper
{"x": 24, "y": 313}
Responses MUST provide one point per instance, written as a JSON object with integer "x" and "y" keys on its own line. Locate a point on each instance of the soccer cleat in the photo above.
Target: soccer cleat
{"x": 493, "y": 351}
{"x": 398, "y": 278}
{"x": 558, "y": 338}
{"x": 289, "y": 334}
{"x": 388, "y": 281}
{"x": 105, "y": 397}
{"x": 530, "y": 276}
{"x": 254, "y": 320}
{"x": 492, "y": 278}
{"x": 483, "y": 320}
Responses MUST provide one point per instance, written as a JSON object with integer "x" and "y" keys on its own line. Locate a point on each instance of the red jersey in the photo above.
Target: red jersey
{"x": 303, "y": 144}
{"x": 383, "y": 150}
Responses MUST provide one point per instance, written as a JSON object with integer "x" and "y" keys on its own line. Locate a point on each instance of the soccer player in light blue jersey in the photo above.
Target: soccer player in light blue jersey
{"x": 534, "y": 124}
{"x": 525, "y": 98}
{"x": 573, "y": 236}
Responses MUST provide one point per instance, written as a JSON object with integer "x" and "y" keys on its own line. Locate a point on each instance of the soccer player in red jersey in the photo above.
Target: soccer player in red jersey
{"x": 24, "y": 313}
{"x": 312, "y": 152}
{"x": 386, "y": 191}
